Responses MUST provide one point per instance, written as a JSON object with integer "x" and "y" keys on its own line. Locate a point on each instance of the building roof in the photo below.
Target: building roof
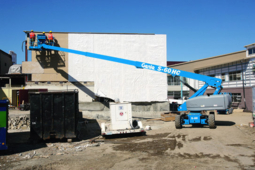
{"x": 194, "y": 65}
{"x": 249, "y": 45}
{"x": 209, "y": 58}
{"x": 174, "y": 62}
{"x": 92, "y": 33}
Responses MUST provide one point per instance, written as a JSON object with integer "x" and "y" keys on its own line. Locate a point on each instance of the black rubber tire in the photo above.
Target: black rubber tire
{"x": 230, "y": 111}
{"x": 211, "y": 121}
{"x": 178, "y": 124}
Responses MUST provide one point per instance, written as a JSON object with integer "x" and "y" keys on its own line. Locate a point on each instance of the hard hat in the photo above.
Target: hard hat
{"x": 43, "y": 32}
{"x": 50, "y": 31}
{"x": 32, "y": 30}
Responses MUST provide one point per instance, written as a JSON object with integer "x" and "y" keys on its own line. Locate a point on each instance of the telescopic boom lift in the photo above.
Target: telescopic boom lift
{"x": 195, "y": 105}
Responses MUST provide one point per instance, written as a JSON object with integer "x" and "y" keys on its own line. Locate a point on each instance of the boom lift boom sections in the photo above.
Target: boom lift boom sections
{"x": 209, "y": 81}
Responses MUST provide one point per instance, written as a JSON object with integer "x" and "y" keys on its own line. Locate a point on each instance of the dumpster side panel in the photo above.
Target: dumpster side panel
{"x": 70, "y": 115}
{"x": 35, "y": 116}
{"x": 58, "y": 115}
{"x": 47, "y": 115}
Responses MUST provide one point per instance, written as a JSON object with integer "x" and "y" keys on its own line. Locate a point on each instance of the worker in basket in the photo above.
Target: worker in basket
{"x": 45, "y": 40}
{"x": 50, "y": 38}
{"x": 32, "y": 38}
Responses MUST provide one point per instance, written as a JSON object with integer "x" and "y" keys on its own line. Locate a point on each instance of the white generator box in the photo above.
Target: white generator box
{"x": 121, "y": 121}
{"x": 121, "y": 115}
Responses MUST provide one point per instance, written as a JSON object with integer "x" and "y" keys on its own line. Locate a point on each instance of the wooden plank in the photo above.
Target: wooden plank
{"x": 168, "y": 119}
{"x": 154, "y": 119}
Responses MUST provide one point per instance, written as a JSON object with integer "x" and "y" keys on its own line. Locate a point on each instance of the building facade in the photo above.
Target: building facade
{"x": 109, "y": 79}
{"x": 235, "y": 69}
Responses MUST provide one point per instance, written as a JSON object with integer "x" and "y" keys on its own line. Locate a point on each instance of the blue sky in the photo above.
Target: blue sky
{"x": 195, "y": 29}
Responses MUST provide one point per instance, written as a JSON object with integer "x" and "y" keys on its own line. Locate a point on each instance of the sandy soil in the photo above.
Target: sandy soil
{"x": 230, "y": 146}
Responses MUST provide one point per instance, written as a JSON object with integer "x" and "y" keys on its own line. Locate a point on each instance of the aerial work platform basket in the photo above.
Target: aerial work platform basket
{"x": 41, "y": 39}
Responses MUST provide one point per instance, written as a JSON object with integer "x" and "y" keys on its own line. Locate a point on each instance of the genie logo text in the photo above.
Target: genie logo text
{"x": 161, "y": 69}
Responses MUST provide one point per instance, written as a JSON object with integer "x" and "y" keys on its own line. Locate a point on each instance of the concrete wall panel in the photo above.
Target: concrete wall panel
{"x": 32, "y": 67}
{"x": 116, "y": 80}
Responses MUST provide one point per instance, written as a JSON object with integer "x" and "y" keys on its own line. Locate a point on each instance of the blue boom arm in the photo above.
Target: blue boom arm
{"x": 209, "y": 81}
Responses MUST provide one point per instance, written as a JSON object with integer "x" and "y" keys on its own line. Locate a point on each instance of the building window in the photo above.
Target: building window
{"x": 177, "y": 94}
{"x": 173, "y": 81}
{"x": 253, "y": 67}
{"x": 170, "y": 93}
{"x": 185, "y": 93}
{"x": 213, "y": 75}
{"x": 236, "y": 97}
{"x": 223, "y": 77}
{"x": 251, "y": 51}
{"x": 234, "y": 76}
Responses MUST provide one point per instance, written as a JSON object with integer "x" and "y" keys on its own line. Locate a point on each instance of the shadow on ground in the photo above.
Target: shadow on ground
{"x": 224, "y": 123}
{"x": 19, "y": 142}
{"x": 128, "y": 135}
{"x": 141, "y": 118}
{"x": 88, "y": 128}
{"x": 217, "y": 123}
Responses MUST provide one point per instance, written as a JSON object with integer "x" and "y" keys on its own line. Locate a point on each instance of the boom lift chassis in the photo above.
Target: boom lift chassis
{"x": 196, "y": 105}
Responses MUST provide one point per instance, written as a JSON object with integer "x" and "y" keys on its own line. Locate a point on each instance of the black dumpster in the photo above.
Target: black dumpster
{"x": 54, "y": 115}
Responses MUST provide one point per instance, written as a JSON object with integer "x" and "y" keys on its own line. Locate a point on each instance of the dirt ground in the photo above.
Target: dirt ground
{"x": 230, "y": 146}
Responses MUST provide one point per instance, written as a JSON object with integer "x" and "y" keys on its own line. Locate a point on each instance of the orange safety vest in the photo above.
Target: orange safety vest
{"x": 32, "y": 35}
{"x": 50, "y": 36}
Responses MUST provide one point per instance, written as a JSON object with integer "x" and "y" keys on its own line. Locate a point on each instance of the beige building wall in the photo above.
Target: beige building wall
{"x": 49, "y": 65}
{"x": 6, "y": 92}
{"x": 174, "y": 88}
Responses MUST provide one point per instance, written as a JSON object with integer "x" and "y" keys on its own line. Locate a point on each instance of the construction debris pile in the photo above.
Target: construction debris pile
{"x": 19, "y": 122}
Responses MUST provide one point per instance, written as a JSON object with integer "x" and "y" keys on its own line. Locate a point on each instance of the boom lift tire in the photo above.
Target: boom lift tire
{"x": 178, "y": 124}
{"x": 211, "y": 121}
